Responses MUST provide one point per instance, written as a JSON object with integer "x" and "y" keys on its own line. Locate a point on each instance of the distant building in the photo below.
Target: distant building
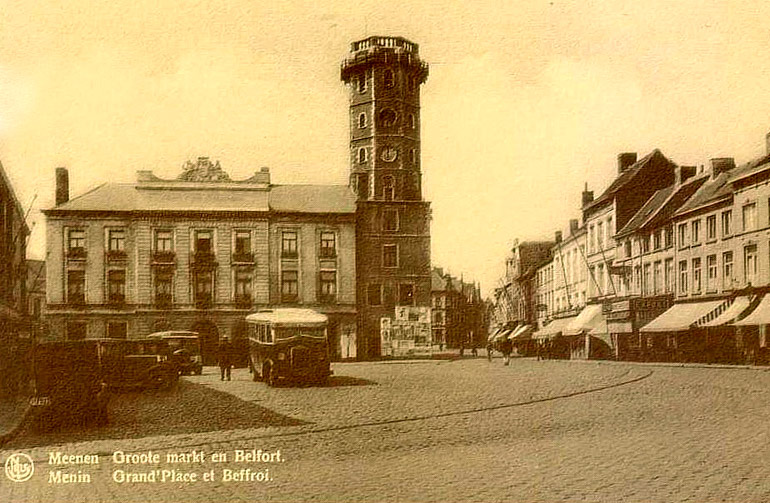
{"x": 36, "y": 296}
{"x": 199, "y": 253}
{"x": 459, "y": 312}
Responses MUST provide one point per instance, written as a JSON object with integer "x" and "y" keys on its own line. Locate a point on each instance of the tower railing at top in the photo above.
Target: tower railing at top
{"x": 394, "y": 42}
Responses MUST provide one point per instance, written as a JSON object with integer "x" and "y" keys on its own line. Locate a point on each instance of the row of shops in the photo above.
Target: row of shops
{"x": 728, "y": 330}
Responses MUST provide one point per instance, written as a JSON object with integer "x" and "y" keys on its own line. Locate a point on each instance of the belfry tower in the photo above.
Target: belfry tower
{"x": 383, "y": 75}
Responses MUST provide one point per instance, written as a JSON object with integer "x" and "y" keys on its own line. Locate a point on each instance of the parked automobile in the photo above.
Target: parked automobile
{"x": 70, "y": 385}
{"x": 288, "y": 344}
{"x": 185, "y": 350}
{"x": 137, "y": 363}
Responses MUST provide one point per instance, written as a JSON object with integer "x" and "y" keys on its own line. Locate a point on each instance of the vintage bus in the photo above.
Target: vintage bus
{"x": 288, "y": 344}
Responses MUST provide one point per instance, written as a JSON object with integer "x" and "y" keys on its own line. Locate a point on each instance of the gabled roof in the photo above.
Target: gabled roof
{"x": 284, "y": 198}
{"x": 714, "y": 190}
{"x": 625, "y": 177}
{"x": 437, "y": 282}
{"x": 659, "y": 208}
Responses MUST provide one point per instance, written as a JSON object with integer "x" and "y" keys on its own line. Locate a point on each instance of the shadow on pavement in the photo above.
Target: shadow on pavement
{"x": 187, "y": 408}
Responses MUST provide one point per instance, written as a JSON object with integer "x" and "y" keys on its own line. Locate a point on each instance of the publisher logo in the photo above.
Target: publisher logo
{"x": 19, "y": 467}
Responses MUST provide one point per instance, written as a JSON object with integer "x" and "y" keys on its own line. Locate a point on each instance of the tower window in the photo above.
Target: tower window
{"x": 413, "y": 156}
{"x": 387, "y": 188}
{"x": 388, "y": 117}
{"x": 413, "y": 121}
{"x": 390, "y": 255}
{"x": 361, "y": 155}
{"x": 389, "y": 78}
{"x": 362, "y": 121}
{"x": 362, "y": 83}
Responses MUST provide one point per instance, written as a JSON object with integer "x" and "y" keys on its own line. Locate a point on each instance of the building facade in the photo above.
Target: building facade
{"x": 384, "y": 75}
{"x": 15, "y": 335}
{"x": 459, "y": 315}
{"x": 198, "y": 253}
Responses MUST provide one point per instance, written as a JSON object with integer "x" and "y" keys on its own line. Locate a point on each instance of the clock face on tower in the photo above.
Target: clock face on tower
{"x": 389, "y": 154}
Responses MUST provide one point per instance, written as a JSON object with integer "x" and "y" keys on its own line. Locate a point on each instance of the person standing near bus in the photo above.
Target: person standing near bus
{"x": 225, "y": 358}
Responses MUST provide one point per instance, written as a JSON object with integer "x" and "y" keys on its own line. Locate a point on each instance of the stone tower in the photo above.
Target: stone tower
{"x": 383, "y": 75}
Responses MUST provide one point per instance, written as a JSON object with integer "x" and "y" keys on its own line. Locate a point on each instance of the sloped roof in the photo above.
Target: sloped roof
{"x": 284, "y": 198}
{"x": 624, "y": 178}
{"x": 437, "y": 282}
{"x": 713, "y": 190}
{"x": 312, "y": 198}
{"x": 662, "y": 205}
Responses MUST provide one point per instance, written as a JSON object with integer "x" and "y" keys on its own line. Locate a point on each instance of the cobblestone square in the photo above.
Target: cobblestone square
{"x": 463, "y": 430}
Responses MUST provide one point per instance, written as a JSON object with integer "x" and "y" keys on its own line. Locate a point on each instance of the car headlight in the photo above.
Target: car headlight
{"x": 281, "y": 356}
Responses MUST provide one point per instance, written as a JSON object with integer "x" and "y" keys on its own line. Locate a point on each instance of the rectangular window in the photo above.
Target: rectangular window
{"x": 390, "y": 255}
{"x": 328, "y": 286}
{"x": 116, "y": 287}
{"x": 204, "y": 242}
{"x": 374, "y": 294}
{"x": 696, "y": 275}
{"x": 656, "y": 241}
{"x": 599, "y": 236}
{"x": 682, "y": 235}
{"x": 289, "y": 286}
{"x": 695, "y": 231}
{"x": 289, "y": 244}
{"x": 657, "y": 278}
{"x": 117, "y": 329}
{"x": 242, "y": 242}
{"x": 750, "y": 264}
{"x": 646, "y": 243}
{"x": 647, "y": 286}
{"x": 727, "y": 270}
{"x": 328, "y": 245}
{"x": 727, "y": 223}
{"x": 669, "y": 275}
{"x": 76, "y": 287}
{"x": 406, "y": 294}
{"x": 711, "y": 227}
{"x": 163, "y": 290}
{"x": 243, "y": 285}
{"x": 76, "y": 239}
{"x": 116, "y": 240}
{"x": 683, "y": 288}
{"x": 749, "y": 216}
{"x": 76, "y": 330}
{"x": 711, "y": 272}
{"x": 669, "y": 233}
{"x": 591, "y": 239}
{"x": 390, "y": 220}
{"x": 627, "y": 248}
{"x": 600, "y": 278}
{"x": 204, "y": 288}
{"x": 163, "y": 241}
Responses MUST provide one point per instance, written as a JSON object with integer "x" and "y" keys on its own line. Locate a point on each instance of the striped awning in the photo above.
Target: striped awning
{"x": 760, "y": 315}
{"x": 589, "y": 319}
{"x": 556, "y": 327}
{"x": 725, "y": 313}
{"x": 522, "y": 333}
{"x": 682, "y": 316}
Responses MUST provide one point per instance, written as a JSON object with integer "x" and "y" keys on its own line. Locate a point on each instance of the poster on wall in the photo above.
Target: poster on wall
{"x": 409, "y": 334}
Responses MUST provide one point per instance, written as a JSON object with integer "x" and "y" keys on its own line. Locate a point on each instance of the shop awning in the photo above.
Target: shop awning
{"x": 681, "y": 316}
{"x": 493, "y": 335}
{"x": 553, "y": 329}
{"x": 589, "y": 319}
{"x": 723, "y": 316}
{"x": 504, "y": 334}
{"x": 522, "y": 333}
{"x": 760, "y": 315}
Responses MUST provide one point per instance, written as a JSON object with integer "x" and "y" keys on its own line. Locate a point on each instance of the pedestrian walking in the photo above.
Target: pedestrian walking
{"x": 506, "y": 347}
{"x": 462, "y": 348}
{"x": 474, "y": 349}
{"x": 224, "y": 356}
{"x": 489, "y": 351}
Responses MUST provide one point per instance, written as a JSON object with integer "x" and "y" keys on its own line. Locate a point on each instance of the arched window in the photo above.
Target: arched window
{"x": 388, "y": 117}
{"x": 361, "y": 155}
{"x": 390, "y": 78}
{"x": 387, "y": 188}
{"x": 362, "y": 120}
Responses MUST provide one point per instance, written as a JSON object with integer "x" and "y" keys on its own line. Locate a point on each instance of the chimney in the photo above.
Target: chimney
{"x": 720, "y": 165}
{"x": 557, "y": 237}
{"x": 683, "y": 173}
{"x": 574, "y": 225}
{"x": 588, "y": 196}
{"x": 62, "y": 186}
{"x": 625, "y": 160}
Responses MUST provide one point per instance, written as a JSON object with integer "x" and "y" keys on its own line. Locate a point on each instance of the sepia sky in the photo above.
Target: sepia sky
{"x": 525, "y": 102}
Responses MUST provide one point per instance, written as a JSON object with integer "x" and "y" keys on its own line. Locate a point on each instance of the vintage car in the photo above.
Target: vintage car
{"x": 70, "y": 385}
{"x": 288, "y": 344}
{"x": 137, "y": 363}
{"x": 185, "y": 350}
